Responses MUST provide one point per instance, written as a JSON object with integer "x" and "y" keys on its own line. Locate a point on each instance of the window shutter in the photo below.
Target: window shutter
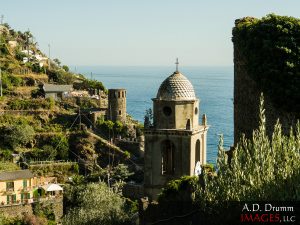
{"x": 24, "y": 183}
{"x": 15, "y": 198}
{"x": 7, "y": 198}
{"x": 22, "y": 197}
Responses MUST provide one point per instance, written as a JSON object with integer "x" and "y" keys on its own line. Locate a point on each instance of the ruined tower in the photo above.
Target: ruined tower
{"x": 117, "y": 105}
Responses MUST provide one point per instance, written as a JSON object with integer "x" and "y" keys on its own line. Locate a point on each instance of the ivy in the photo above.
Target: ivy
{"x": 270, "y": 49}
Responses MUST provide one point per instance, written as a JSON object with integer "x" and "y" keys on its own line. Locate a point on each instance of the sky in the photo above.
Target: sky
{"x": 138, "y": 32}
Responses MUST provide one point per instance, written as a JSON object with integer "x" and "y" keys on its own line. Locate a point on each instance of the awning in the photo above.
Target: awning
{"x": 52, "y": 187}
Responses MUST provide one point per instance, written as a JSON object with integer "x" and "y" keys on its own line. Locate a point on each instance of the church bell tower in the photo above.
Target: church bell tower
{"x": 176, "y": 141}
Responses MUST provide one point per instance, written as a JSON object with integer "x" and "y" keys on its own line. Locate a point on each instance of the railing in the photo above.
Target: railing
{"x": 26, "y": 188}
{"x": 32, "y": 200}
{"x": 17, "y": 202}
{"x": 49, "y": 162}
{"x": 10, "y": 190}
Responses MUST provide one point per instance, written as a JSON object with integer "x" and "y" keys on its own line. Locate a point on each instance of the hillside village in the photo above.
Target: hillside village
{"x": 56, "y": 127}
{"x": 70, "y": 154}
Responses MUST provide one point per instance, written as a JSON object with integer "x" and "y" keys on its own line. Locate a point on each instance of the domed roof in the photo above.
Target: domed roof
{"x": 176, "y": 87}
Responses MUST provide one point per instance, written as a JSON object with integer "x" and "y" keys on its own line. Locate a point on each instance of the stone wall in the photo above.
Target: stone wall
{"x": 133, "y": 147}
{"x": 246, "y": 104}
{"x": 20, "y": 210}
{"x": 57, "y": 207}
{"x": 170, "y": 213}
{"x": 16, "y": 210}
{"x": 133, "y": 191}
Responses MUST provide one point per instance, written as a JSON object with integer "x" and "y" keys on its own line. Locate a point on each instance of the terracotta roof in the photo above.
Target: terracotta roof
{"x": 15, "y": 175}
{"x": 176, "y": 87}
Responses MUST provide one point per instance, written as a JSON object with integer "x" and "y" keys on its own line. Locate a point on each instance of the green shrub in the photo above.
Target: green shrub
{"x": 95, "y": 204}
{"x": 8, "y": 166}
{"x": 180, "y": 189}
{"x": 16, "y": 135}
{"x": 87, "y": 84}
{"x": 30, "y": 104}
{"x": 261, "y": 168}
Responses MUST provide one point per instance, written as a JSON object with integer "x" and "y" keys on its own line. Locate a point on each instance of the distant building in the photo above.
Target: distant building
{"x": 57, "y": 91}
{"x": 176, "y": 143}
{"x": 19, "y": 189}
{"x": 13, "y": 44}
{"x": 16, "y": 187}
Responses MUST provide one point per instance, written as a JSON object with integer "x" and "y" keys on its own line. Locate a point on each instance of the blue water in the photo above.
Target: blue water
{"x": 213, "y": 85}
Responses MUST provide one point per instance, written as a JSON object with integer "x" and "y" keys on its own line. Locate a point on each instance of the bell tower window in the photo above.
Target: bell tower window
{"x": 167, "y": 111}
{"x": 197, "y": 151}
{"x": 167, "y": 159}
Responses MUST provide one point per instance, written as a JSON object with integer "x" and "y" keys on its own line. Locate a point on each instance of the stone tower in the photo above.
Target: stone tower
{"x": 176, "y": 142}
{"x": 117, "y": 105}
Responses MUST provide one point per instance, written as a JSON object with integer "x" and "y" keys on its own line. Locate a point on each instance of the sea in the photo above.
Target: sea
{"x": 213, "y": 86}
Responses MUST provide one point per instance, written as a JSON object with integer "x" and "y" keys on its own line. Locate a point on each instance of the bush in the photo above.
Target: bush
{"x": 95, "y": 204}
{"x": 30, "y": 104}
{"x": 20, "y": 55}
{"x": 9, "y": 81}
{"x": 17, "y": 135}
{"x": 179, "y": 190}
{"x": 61, "y": 144}
{"x": 86, "y": 103}
{"x": 261, "y": 168}
{"x": 87, "y": 84}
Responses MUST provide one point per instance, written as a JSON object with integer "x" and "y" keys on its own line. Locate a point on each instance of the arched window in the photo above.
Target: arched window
{"x": 197, "y": 151}
{"x": 167, "y": 157}
{"x": 188, "y": 125}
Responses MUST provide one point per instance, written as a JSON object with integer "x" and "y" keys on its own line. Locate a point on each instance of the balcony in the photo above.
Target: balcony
{"x": 26, "y": 189}
{"x": 27, "y": 201}
{"x": 10, "y": 190}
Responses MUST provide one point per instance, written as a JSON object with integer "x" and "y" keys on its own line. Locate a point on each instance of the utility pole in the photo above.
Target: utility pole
{"x": 79, "y": 119}
{"x": 91, "y": 75}
{"x": 49, "y": 63}
{"x": 27, "y": 43}
{"x": 2, "y": 17}
{"x": 1, "y": 94}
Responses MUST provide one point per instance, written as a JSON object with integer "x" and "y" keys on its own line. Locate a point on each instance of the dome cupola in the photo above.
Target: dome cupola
{"x": 176, "y": 87}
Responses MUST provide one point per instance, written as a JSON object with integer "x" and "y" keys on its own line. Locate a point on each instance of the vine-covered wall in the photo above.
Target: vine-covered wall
{"x": 266, "y": 59}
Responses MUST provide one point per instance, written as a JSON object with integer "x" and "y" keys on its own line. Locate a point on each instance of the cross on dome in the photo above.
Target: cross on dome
{"x": 176, "y": 64}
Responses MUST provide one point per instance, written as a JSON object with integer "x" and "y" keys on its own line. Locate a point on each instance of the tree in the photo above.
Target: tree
{"x": 148, "y": 119}
{"x": 18, "y": 135}
{"x": 56, "y": 60}
{"x": 95, "y": 204}
{"x": 261, "y": 168}
{"x": 120, "y": 172}
{"x": 118, "y": 126}
{"x": 66, "y": 68}
{"x": 61, "y": 144}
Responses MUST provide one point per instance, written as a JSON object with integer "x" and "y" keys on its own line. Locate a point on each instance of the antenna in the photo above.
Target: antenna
{"x": 28, "y": 43}
{"x": 49, "y": 63}
{"x": 176, "y": 64}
